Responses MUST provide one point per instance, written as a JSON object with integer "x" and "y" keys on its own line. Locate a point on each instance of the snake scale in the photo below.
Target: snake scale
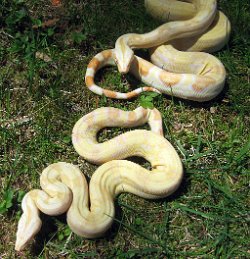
{"x": 194, "y": 26}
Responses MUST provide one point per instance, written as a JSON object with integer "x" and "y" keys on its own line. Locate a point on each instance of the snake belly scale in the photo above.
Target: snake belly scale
{"x": 90, "y": 208}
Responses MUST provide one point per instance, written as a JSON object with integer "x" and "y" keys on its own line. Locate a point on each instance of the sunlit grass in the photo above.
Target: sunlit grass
{"x": 40, "y": 102}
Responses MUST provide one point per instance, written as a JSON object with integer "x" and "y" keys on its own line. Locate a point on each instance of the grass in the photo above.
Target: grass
{"x": 208, "y": 217}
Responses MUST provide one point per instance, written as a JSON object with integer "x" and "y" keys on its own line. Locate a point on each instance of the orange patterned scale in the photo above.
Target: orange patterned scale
{"x": 56, "y": 3}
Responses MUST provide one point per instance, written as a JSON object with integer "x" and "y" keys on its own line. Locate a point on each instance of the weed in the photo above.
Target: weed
{"x": 7, "y": 201}
{"x": 146, "y": 100}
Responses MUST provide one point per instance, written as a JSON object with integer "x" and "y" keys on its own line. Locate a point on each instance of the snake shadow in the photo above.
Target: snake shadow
{"x": 47, "y": 232}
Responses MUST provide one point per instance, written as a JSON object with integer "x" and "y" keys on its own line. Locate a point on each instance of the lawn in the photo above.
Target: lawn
{"x": 43, "y": 94}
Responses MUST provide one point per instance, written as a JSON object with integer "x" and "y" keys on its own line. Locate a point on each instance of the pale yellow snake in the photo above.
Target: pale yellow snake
{"x": 90, "y": 212}
{"x": 190, "y": 75}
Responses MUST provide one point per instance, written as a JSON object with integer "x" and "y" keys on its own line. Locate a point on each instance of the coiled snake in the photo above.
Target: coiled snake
{"x": 90, "y": 212}
{"x": 190, "y": 75}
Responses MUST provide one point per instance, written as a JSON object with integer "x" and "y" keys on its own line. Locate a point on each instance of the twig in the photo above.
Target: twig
{"x": 7, "y": 34}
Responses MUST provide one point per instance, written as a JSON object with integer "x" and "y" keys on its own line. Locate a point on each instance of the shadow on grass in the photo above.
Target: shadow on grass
{"x": 47, "y": 232}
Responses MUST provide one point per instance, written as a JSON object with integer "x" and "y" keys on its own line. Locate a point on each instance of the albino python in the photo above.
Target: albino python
{"x": 190, "y": 75}
{"x": 90, "y": 212}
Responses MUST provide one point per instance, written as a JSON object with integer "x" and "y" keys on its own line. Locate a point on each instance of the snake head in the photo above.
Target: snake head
{"x": 27, "y": 229}
{"x": 124, "y": 56}
{"x": 29, "y": 223}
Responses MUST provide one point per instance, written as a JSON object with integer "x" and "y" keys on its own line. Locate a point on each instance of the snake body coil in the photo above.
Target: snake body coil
{"x": 90, "y": 211}
{"x": 191, "y": 75}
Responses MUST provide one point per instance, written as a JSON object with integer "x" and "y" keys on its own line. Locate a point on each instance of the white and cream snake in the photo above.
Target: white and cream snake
{"x": 192, "y": 75}
{"x": 90, "y": 211}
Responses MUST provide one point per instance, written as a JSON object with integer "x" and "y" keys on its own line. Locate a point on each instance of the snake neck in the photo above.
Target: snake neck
{"x": 205, "y": 13}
